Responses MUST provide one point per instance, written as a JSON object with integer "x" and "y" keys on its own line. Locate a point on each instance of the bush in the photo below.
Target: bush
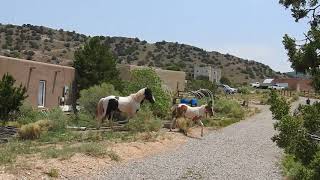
{"x": 303, "y": 160}
{"x": 53, "y": 120}
{"x": 244, "y": 90}
{"x": 89, "y": 98}
{"x": 144, "y": 121}
{"x": 194, "y": 85}
{"x": 229, "y": 108}
{"x": 58, "y": 118}
{"x": 295, "y": 170}
{"x": 141, "y": 78}
{"x": 184, "y": 125}
{"x": 27, "y": 114}
{"x": 11, "y": 97}
{"x": 279, "y": 106}
{"x": 30, "y": 131}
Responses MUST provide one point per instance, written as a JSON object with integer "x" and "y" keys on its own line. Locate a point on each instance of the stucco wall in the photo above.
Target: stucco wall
{"x": 29, "y": 73}
{"x": 170, "y": 78}
{"x": 296, "y": 84}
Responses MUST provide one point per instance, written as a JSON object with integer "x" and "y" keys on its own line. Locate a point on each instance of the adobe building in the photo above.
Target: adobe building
{"x": 48, "y": 85}
{"x": 171, "y": 79}
{"x": 213, "y": 74}
{"x": 297, "y": 84}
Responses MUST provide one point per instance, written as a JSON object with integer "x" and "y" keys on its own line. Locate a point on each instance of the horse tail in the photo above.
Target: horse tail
{"x": 100, "y": 109}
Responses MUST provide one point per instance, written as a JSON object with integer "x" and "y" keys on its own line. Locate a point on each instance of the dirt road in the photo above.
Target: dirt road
{"x": 241, "y": 151}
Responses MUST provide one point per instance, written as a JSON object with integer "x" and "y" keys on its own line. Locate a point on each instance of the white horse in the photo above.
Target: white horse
{"x": 193, "y": 113}
{"x": 129, "y": 105}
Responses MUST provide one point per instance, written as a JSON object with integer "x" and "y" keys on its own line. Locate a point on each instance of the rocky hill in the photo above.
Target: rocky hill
{"x": 57, "y": 46}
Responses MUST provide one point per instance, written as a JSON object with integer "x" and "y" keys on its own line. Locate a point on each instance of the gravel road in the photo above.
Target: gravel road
{"x": 241, "y": 151}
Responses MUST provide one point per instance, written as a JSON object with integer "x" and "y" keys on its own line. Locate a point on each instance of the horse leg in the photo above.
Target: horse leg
{"x": 172, "y": 123}
{"x": 201, "y": 124}
{"x": 111, "y": 120}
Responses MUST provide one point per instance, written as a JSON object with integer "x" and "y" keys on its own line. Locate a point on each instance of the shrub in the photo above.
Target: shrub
{"x": 58, "y": 118}
{"x": 184, "y": 125}
{"x": 27, "y": 114}
{"x": 89, "y": 98}
{"x": 53, "y": 173}
{"x": 244, "y": 90}
{"x": 141, "y": 78}
{"x": 11, "y": 97}
{"x": 144, "y": 121}
{"x": 295, "y": 170}
{"x": 30, "y": 131}
{"x": 230, "y": 108}
{"x": 194, "y": 85}
{"x": 279, "y": 106}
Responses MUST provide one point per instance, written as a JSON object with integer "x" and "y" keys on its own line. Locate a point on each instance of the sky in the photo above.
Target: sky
{"x": 250, "y": 29}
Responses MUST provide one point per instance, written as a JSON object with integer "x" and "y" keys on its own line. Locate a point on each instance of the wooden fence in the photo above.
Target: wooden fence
{"x": 290, "y": 93}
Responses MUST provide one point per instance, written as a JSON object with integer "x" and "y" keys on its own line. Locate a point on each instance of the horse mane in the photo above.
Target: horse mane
{"x": 137, "y": 95}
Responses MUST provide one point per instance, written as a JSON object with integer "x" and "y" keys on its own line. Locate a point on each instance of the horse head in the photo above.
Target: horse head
{"x": 148, "y": 95}
{"x": 209, "y": 109}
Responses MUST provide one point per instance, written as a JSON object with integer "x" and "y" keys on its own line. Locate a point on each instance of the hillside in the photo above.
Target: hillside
{"x": 58, "y": 46}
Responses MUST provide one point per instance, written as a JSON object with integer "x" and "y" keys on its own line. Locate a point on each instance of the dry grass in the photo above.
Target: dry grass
{"x": 53, "y": 173}
{"x": 30, "y": 131}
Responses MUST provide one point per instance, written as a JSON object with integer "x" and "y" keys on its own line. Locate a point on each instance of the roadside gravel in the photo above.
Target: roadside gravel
{"x": 241, "y": 151}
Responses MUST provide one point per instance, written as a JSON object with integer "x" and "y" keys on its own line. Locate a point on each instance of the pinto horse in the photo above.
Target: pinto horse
{"x": 129, "y": 105}
{"x": 193, "y": 113}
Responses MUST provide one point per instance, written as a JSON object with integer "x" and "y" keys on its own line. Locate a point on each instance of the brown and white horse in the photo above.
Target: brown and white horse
{"x": 129, "y": 105}
{"x": 194, "y": 113}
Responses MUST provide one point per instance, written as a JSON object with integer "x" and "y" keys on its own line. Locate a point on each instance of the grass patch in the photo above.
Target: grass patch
{"x": 9, "y": 151}
{"x": 114, "y": 156}
{"x": 53, "y": 173}
{"x": 144, "y": 121}
{"x": 92, "y": 149}
{"x": 219, "y": 122}
{"x": 66, "y": 152}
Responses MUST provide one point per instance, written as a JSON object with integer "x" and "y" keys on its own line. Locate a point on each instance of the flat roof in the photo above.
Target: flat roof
{"x": 34, "y": 62}
{"x": 268, "y": 81}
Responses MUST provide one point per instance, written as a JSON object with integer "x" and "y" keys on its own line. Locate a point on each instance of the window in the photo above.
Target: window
{"x": 41, "y": 93}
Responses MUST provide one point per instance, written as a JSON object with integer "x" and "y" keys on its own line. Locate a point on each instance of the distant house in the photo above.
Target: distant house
{"x": 213, "y": 74}
{"x": 266, "y": 83}
{"x": 296, "y": 84}
{"x": 171, "y": 79}
{"x": 48, "y": 85}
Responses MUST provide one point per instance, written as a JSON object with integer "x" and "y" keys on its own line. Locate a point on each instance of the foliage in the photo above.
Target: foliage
{"x": 304, "y": 57}
{"x": 28, "y": 114}
{"x": 30, "y": 131}
{"x": 184, "y": 124}
{"x": 95, "y": 64}
{"x": 229, "y": 108}
{"x": 141, "y": 78}
{"x": 11, "y": 97}
{"x": 225, "y": 80}
{"x": 279, "y": 106}
{"x": 144, "y": 121}
{"x": 244, "y": 90}
{"x": 295, "y": 170}
{"x": 90, "y": 97}
{"x": 194, "y": 85}
{"x": 303, "y": 152}
{"x": 53, "y": 173}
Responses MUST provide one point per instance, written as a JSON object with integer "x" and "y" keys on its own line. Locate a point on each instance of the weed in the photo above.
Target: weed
{"x": 114, "y": 156}
{"x": 53, "y": 173}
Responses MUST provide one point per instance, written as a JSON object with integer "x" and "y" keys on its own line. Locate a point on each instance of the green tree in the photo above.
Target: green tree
{"x": 141, "y": 78}
{"x": 11, "y": 97}
{"x": 90, "y": 97}
{"x": 95, "y": 65}
{"x": 303, "y": 54}
{"x": 194, "y": 85}
{"x": 225, "y": 80}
